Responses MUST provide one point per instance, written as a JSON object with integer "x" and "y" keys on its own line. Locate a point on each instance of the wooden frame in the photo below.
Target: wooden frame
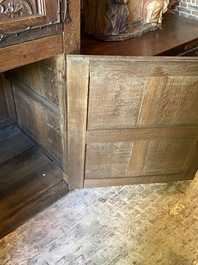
{"x": 131, "y": 120}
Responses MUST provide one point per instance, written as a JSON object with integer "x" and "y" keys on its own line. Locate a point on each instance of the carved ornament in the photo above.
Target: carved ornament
{"x": 15, "y": 8}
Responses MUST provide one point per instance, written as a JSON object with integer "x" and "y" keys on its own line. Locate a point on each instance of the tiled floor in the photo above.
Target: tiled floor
{"x": 130, "y": 225}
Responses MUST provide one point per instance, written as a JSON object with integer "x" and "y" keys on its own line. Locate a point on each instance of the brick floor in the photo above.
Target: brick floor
{"x": 129, "y": 225}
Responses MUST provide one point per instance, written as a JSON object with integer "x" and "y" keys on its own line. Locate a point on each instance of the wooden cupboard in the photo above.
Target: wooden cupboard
{"x": 121, "y": 95}
{"x": 33, "y": 142}
{"x": 101, "y": 120}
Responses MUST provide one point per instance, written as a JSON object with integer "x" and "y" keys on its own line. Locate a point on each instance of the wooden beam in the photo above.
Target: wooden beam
{"x": 34, "y": 95}
{"x": 143, "y": 134}
{"x": 28, "y": 52}
{"x": 105, "y": 182}
{"x": 77, "y": 93}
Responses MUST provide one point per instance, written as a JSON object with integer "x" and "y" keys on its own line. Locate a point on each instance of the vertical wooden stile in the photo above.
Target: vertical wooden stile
{"x": 77, "y": 94}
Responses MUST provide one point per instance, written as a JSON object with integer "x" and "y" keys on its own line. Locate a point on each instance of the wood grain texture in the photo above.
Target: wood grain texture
{"x": 45, "y": 83}
{"x": 179, "y": 101}
{"x": 24, "y": 53}
{"x": 71, "y": 38}
{"x": 32, "y": 94}
{"x": 39, "y": 123}
{"x": 128, "y": 67}
{"x": 155, "y": 87}
{"x": 39, "y": 181}
{"x": 138, "y": 155}
{"x": 114, "y": 102}
{"x": 6, "y": 117}
{"x": 126, "y": 88}
{"x": 141, "y": 118}
{"x": 107, "y": 159}
{"x": 32, "y": 207}
{"x": 145, "y": 134}
{"x": 93, "y": 183}
{"x": 77, "y": 93}
{"x": 11, "y": 146}
{"x": 43, "y": 77}
{"x": 30, "y": 157}
{"x": 31, "y": 35}
{"x": 29, "y": 180}
{"x": 166, "y": 157}
{"x": 140, "y": 158}
{"x": 17, "y": 25}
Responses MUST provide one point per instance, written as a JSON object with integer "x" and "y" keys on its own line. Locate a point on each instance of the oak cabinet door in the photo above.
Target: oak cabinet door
{"x": 131, "y": 120}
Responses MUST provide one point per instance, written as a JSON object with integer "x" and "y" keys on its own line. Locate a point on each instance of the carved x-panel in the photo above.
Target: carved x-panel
{"x": 20, "y": 8}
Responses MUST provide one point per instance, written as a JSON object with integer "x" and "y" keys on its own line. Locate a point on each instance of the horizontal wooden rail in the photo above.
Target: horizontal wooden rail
{"x": 92, "y": 183}
{"x": 143, "y": 134}
{"x": 28, "y": 52}
{"x": 34, "y": 95}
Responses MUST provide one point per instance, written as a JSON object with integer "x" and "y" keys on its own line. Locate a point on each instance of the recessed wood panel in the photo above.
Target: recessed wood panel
{"x": 141, "y": 117}
{"x": 115, "y": 103}
{"x": 166, "y": 157}
{"x": 42, "y": 77}
{"x": 107, "y": 159}
{"x": 152, "y": 98}
{"x": 179, "y": 102}
{"x": 138, "y": 94}
{"x": 121, "y": 160}
{"x": 39, "y": 122}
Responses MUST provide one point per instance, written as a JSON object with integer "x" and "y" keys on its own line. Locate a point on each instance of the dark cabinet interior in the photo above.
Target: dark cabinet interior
{"x": 32, "y": 139}
{"x": 31, "y": 174}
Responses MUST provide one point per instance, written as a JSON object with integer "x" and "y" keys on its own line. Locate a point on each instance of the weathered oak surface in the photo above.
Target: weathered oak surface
{"x": 28, "y": 52}
{"x": 39, "y": 118}
{"x": 131, "y": 120}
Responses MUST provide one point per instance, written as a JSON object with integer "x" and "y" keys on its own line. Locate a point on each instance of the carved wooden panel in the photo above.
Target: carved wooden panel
{"x": 131, "y": 120}
{"x": 20, "y": 16}
{"x": 18, "y": 8}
